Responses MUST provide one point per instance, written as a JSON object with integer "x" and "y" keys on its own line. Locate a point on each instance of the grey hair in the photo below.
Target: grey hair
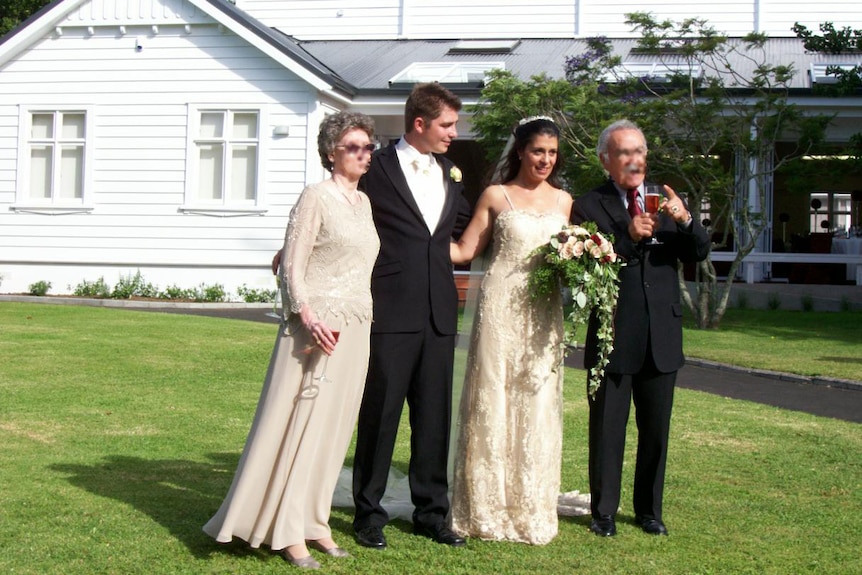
{"x": 602, "y": 146}
{"x": 333, "y": 128}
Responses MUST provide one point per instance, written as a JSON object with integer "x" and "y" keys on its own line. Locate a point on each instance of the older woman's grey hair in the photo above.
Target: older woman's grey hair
{"x": 333, "y": 128}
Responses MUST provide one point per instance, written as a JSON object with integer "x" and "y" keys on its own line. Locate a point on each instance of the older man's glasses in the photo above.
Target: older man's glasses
{"x": 354, "y": 149}
{"x": 639, "y": 152}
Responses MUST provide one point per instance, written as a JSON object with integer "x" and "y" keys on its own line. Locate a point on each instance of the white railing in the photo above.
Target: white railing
{"x": 748, "y": 263}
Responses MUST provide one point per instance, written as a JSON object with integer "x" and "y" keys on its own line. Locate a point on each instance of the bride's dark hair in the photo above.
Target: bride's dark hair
{"x": 522, "y": 135}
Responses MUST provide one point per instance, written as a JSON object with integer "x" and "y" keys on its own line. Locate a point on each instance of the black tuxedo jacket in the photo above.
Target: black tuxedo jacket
{"x": 649, "y": 308}
{"x": 412, "y": 278}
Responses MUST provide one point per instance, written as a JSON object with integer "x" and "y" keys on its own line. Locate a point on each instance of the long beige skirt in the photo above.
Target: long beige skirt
{"x": 281, "y": 493}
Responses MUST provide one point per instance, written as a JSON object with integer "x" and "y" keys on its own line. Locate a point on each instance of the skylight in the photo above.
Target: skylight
{"x": 656, "y": 72}
{"x": 446, "y": 72}
{"x": 818, "y": 74}
{"x": 484, "y": 47}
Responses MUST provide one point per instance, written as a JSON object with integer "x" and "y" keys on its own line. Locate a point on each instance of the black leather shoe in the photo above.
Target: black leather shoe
{"x": 604, "y": 526}
{"x": 652, "y": 526}
{"x": 439, "y": 533}
{"x": 371, "y": 537}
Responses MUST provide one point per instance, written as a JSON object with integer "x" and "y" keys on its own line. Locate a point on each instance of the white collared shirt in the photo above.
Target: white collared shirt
{"x": 425, "y": 178}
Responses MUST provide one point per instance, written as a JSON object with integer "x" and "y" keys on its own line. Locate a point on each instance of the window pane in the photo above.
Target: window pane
{"x": 72, "y": 172}
{"x": 43, "y": 126}
{"x": 841, "y": 202}
{"x": 73, "y": 126}
{"x": 243, "y": 172}
{"x": 211, "y": 170}
{"x": 212, "y": 124}
{"x": 41, "y": 158}
{"x": 245, "y": 125}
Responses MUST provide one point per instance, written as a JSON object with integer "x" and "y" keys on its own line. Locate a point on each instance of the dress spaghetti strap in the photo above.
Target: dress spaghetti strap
{"x": 511, "y": 205}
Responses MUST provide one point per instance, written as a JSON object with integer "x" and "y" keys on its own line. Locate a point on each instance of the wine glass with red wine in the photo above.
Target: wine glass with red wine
{"x": 652, "y": 202}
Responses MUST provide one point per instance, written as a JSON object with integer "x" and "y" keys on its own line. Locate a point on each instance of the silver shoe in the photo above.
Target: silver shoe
{"x": 307, "y": 562}
{"x": 332, "y": 551}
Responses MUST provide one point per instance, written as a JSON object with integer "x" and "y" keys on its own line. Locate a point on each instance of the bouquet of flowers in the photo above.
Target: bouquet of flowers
{"x": 584, "y": 260}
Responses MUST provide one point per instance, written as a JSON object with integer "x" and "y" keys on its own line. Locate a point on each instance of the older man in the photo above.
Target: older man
{"x": 648, "y": 328}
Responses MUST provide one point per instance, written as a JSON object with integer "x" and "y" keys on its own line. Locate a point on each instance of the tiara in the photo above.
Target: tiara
{"x": 529, "y": 119}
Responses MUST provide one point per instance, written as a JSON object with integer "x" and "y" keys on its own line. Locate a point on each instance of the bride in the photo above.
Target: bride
{"x": 507, "y": 459}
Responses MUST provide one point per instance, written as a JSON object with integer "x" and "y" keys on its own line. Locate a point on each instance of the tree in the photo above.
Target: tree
{"x": 711, "y": 128}
{"x": 13, "y": 12}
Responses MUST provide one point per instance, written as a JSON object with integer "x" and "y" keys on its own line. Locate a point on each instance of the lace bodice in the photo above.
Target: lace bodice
{"x": 329, "y": 251}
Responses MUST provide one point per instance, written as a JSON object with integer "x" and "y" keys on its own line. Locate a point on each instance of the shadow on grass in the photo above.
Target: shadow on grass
{"x": 178, "y": 494}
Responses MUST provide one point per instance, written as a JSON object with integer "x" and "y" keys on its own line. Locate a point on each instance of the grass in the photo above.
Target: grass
{"x": 120, "y": 431}
{"x": 806, "y": 343}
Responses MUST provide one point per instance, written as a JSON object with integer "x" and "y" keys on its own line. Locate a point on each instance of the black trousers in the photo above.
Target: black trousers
{"x": 416, "y": 367}
{"x": 652, "y": 393}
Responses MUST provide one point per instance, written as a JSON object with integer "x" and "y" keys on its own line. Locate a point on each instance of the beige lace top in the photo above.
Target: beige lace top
{"x": 329, "y": 251}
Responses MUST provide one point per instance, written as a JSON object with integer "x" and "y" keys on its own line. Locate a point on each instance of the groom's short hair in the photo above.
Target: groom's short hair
{"x": 427, "y": 101}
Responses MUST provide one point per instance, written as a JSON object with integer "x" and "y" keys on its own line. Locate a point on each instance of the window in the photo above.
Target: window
{"x": 55, "y": 156}
{"x": 830, "y": 211}
{"x": 226, "y": 157}
{"x": 473, "y": 73}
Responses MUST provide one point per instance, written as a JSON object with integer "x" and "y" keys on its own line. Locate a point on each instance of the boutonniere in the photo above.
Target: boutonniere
{"x": 455, "y": 174}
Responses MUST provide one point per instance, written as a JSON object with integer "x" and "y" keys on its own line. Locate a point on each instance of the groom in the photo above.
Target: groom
{"x": 417, "y": 204}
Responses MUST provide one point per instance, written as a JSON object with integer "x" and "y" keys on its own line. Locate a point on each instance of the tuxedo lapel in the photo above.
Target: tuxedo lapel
{"x": 449, "y": 202}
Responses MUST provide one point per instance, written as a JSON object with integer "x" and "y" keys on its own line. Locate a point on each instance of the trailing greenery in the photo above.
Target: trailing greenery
{"x": 39, "y": 288}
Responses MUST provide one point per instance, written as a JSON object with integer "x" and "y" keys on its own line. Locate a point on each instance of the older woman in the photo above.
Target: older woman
{"x": 282, "y": 490}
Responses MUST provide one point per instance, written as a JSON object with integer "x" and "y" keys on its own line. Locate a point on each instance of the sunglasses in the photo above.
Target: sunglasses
{"x": 356, "y": 148}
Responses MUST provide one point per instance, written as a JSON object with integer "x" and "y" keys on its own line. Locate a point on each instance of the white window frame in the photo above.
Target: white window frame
{"x": 24, "y": 202}
{"x": 193, "y": 203}
{"x": 838, "y": 219}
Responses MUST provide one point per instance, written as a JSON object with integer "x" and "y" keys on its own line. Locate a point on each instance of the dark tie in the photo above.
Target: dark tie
{"x": 634, "y": 206}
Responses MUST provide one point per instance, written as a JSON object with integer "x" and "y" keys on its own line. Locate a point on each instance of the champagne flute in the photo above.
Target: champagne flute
{"x": 652, "y": 201}
{"x": 322, "y": 377}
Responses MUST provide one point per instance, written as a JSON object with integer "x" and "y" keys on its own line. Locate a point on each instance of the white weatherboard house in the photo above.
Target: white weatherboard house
{"x": 172, "y": 137}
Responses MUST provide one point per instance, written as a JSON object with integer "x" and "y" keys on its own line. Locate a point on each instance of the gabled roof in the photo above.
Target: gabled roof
{"x": 280, "y": 47}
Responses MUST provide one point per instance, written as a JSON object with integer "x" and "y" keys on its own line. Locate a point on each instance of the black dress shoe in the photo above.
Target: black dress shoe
{"x": 604, "y": 526}
{"x": 439, "y": 533}
{"x": 371, "y": 537}
{"x": 652, "y": 526}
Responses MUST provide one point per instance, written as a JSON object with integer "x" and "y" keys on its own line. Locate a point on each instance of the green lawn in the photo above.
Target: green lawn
{"x": 120, "y": 431}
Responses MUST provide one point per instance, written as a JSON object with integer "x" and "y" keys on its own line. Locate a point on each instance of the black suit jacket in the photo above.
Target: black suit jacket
{"x": 412, "y": 279}
{"x": 649, "y": 308}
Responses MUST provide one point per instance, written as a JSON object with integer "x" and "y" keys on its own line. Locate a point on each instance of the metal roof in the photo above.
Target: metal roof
{"x": 368, "y": 65}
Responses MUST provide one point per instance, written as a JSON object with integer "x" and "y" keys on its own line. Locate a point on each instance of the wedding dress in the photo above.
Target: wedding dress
{"x": 507, "y": 460}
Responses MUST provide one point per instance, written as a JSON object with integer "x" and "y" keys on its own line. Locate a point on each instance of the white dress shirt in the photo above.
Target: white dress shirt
{"x": 425, "y": 178}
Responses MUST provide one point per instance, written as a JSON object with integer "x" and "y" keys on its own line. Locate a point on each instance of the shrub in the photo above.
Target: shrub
{"x": 175, "y": 292}
{"x": 252, "y": 295}
{"x": 133, "y": 286}
{"x": 98, "y": 289}
{"x": 807, "y": 302}
{"x": 212, "y": 294}
{"x": 39, "y": 288}
{"x": 773, "y": 302}
{"x": 742, "y": 300}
